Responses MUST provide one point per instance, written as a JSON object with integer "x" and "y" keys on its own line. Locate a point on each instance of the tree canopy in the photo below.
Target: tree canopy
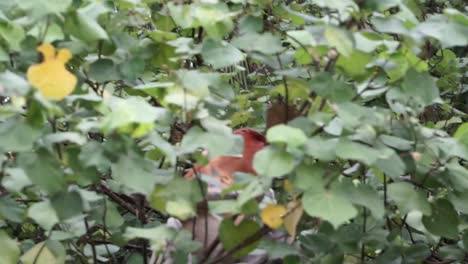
{"x": 105, "y": 105}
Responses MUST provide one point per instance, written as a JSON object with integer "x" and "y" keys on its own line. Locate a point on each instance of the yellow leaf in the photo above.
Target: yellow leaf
{"x": 39, "y": 254}
{"x": 293, "y": 217}
{"x": 51, "y": 77}
{"x": 142, "y": 129}
{"x": 288, "y": 186}
{"x": 271, "y": 215}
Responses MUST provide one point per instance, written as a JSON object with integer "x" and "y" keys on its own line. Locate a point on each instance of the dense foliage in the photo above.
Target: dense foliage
{"x": 367, "y": 101}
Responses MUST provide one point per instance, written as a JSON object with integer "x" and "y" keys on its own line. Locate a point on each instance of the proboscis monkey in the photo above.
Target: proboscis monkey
{"x": 223, "y": 168}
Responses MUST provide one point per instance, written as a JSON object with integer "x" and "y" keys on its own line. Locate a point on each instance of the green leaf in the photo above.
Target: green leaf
{"x": 319, "y": 242}
{"x": 408, "y": 198}
{"x": 421, "y": 87}
{"x": 396, "y": 142}
{"x": 341, "y": 5}
{"x": 54, "y": 32}
{"x": 197, "y": 82}
{"x": 181, "y": 15}
{"x": 452, "y": 252}
{"x": 382, "y": 5}
{"x": 250, "y": 24}
{"x": 417, "y": 252}
{"x": 164, "y": 56}
{"x": 10, "y": 210}
{"x": 347, "y": 149}
{"x": 83, "y": 23}
{"x": 323, "y": 149}
{"x": 465, "y": 239}
{"x": 396, "y": 66}
{"x": 450, "y": 147}
{"x": 364, "y": 195}
{"x": 273, "y": 162}
{"x": 13, "y": 34}
{"x": 302, "y": 36}
{"x": 278, "y": 249}
{"x": 180, "y": 97}
{"x": 391, "y": 255}
{"x": 178, "y": 197}
{"x": 4, "y": 55}
{"x": 45, "y": 253}
{"x": 369, "y": 41}
{"x": 389, "y": 25}
{"x": 353, "y": 115}
{"x": 220, "y": 54}
{"x": 447, "y": 64}
{"x": 462, "y": 134}
{"x": 15, "y": 179}
{"x": 162, "y": 36}
{"x": 253, "y": 190}
{"x": 457, "y": 176}
{"x": 103, "y": 70}
{"x": 329, "y": 204}
{"x": 134, "y": 173}
{"x": 109, "y": 213}
{"x": 334, "y": 90}
{"x": 218, "y": 140}
{"x": 132, "y": 69}
{"x": 123, "y": 112}
{"x": 158, "y": 236}
{"x": 43, "y": 170}
{"x": 9, "y": 250}
{"x": 92, "y": 154}
{"x": 84, "y": 175}
{"x": 13, "y": 84}
{"x": 297, "y": 89}
{"x": 355, "y": 64}
{"x": 67, "y": 204}
{"x": 443, "y": 221}
{"x": 155, "y": 140}
{"x": 43, "y": 214}
{"x": 447, "y": 31}
{"x": 215, "y": 18}
{"x": 69, "y": 137}
{"x": 293, "y": 137}
{"x": 224, "y": 206}
{"x": 309, "y": 175}
{"x": 37, "y": 9}
{"x": 232, "y": 234}
{"x": 266, "y": 43}
{"x": 183, "y": 242}
{"x": 303, "y": 57}
{"x": 17, "y": 136}
{"x": 340, "y": 39}
{"x": 392, "y": 165}
{"x": 459, "y": 201}
{"x": 180, "y": 208}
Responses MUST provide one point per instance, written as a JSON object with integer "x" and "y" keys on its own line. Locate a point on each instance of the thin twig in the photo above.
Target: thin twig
{"x": 36, "y": 258}
{"x": 363, "y": 245}
{"x": 46, "y": 28}
{"x": 100, "y": 49}
{"x": 209, "y": 250}
{"x": 93, "y": 248}
{"x": 364, "y": 226}
{"x": 205, "y": 207}
{"x": 286, "y": 90}
{"x": 53, "y": 124}
{"x": 104, "y": 228}
{"x": 246, "y": 242}
{"x": 114, "y": 197}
